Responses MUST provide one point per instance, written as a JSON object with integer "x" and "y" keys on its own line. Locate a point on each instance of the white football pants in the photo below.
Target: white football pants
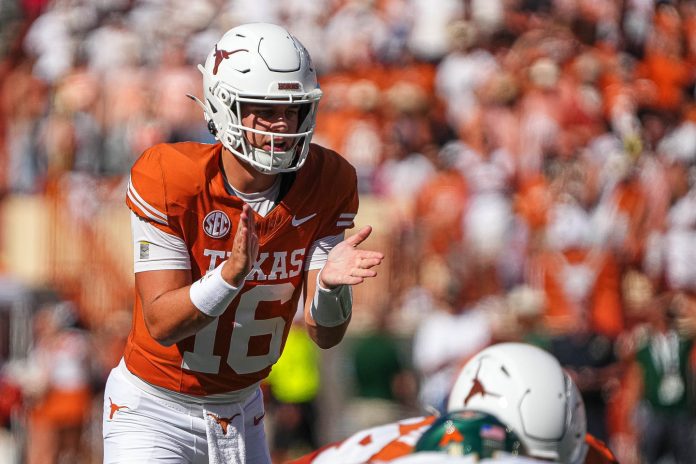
{"x": 139, "y": 427}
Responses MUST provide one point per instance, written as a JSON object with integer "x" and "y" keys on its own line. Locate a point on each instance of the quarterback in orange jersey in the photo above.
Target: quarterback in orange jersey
{"x": 229, "y": 240}
{"x": 522, "y": 386}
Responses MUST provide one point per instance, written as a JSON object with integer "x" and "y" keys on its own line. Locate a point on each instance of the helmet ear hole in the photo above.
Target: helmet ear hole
{"x": 233, "y": 141}
{"x": 224, "y": 96}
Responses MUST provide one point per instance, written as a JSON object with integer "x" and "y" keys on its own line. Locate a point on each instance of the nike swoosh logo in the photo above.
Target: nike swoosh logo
{"x": 258, "y": 419}
{"x": 298, "y": 222}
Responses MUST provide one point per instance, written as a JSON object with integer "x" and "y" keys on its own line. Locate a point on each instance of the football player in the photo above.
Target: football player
{"x": 521, "y": 385}
{"x": 229, "y": 239}
{"x": 527, "y": 389}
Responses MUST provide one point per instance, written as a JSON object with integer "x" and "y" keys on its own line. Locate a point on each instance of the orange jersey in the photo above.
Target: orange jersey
{"x": 392, "y": 441}
{"x": 180, "y": 189}
{"x": 582, "y": 287}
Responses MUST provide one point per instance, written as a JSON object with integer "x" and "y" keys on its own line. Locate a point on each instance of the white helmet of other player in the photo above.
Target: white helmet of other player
{"x": 260, "y": 64}
{"x": 528, "y": 390}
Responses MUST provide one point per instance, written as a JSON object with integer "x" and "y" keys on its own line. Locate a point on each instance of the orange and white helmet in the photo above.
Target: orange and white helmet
{"x": 260, "y": 63}
{"x": 527, "y": 389}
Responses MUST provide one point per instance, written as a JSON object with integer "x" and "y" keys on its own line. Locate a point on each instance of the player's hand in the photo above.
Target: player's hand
{"x": 245, "y": 249}
{"x": 346, "y": 264}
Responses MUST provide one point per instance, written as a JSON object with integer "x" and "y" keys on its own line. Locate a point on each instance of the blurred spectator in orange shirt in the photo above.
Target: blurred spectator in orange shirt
{"x": 580, "y": 279}
{"x": 666, "y": 73}
{"x": 440, "y": 205}
{"x": 56, "y": 384}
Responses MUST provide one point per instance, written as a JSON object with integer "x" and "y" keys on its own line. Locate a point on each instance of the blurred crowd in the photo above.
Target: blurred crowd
{"x": 534, "y": 162}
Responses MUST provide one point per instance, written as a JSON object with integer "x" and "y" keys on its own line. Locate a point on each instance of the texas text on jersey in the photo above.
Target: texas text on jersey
{"x": 181, "y": 190}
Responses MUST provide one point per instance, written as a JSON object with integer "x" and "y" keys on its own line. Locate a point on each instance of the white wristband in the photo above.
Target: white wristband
{"x": 211, "y": 294}
{"x": 331, "y": 308}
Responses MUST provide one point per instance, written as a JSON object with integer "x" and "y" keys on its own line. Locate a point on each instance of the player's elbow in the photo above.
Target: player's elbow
{"x": 161, "y": 336}
{"x": 165, "y": 340}
{"x": 159, "y": 331}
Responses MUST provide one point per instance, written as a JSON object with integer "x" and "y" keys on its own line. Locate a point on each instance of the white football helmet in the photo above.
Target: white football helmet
{"x": 260, "y": 63}
{"x": 527, "y": 389}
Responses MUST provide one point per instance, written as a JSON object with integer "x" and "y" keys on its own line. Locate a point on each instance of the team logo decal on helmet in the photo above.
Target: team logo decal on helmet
{"x": 223, "y": 55}
{"x": 477, "y": 388}
{"x": 451, "y": 435}
{"x": 216, "y": 224}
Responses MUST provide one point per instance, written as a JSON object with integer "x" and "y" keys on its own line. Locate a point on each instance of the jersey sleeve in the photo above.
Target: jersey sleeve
{"x": 146, "y": 196}
{"x": 155, "y": 250}
{"x": 319, "y": 251}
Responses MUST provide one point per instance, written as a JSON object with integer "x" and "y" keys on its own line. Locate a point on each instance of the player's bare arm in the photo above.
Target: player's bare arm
{"x": 346, "y": 265}
{"x": 169, "y": 313}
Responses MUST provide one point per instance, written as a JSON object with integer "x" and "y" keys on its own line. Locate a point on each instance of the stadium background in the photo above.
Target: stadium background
{"x": 528, "y": 167}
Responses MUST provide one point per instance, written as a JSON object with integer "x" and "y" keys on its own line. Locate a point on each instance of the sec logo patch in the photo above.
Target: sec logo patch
{"x": 216, "y": 224}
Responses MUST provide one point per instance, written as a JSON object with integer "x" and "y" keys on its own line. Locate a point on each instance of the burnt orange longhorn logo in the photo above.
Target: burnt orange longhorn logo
{"x": 224, "y": 422}
{"x": 223, "y": 55}
{"x": 115, "y": 408}
{"x": 451, "y": 435}
{"x": 478, "y": 389}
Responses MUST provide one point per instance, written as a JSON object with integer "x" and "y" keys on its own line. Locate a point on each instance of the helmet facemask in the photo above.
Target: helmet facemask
{"x": 226, "y": 112}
